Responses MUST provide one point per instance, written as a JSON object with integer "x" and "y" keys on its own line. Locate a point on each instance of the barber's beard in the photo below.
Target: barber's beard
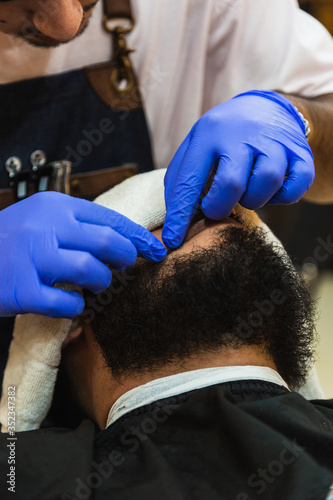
{"x": 239, "y": 292}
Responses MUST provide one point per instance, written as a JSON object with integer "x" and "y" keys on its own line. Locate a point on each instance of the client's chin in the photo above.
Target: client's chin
{"x": 211, "y": 297}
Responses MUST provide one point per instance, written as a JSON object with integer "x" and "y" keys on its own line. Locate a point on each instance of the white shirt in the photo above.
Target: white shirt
{"x": 180, "y": 383}
{"x": 194, "y": 54}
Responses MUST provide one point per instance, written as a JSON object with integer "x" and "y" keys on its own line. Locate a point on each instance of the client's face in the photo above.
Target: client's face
{"x": 201, "y": 233}
{"x": 226, "y": 287}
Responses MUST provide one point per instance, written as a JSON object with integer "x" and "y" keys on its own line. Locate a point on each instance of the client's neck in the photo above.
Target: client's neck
{"x": 106, "y": 389}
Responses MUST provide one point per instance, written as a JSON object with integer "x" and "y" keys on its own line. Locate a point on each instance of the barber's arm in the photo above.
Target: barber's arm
{"x": 319, "y": 112}
{"x": 54, "y": 238}
{"x": 257, "y": 141}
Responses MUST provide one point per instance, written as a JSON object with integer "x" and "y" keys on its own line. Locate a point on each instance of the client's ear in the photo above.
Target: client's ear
{"x": 75, "y": 331}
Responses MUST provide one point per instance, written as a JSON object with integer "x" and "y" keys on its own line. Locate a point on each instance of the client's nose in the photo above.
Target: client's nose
{"x": 59, "y": 19}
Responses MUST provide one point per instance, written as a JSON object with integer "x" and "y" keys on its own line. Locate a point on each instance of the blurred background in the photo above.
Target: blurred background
{"x": 301, "y": 228}
{"x": 320, "y": 9}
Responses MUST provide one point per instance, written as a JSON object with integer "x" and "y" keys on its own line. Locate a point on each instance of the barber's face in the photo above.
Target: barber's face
{"x": 45, "y": 23}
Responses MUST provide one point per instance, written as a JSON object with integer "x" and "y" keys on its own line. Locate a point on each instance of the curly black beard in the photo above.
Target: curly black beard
{"x": 238, "y": 292}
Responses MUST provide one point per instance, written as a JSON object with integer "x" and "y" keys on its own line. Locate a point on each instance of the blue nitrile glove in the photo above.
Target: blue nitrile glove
{"x": 256, "y": 139}
{"x": 53, "y": 238}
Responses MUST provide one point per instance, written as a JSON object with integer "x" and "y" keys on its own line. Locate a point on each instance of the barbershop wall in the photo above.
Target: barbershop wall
{"x": 304, "y": 228}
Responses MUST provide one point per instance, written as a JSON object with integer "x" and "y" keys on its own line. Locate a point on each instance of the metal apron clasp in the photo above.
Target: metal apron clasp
{"x": 57, "y": 172}
{"x": 61, "y": 176}
{"x": 19, "y": 179}
{"x": 122, "y": 78}
{"x": 53, "y": 176}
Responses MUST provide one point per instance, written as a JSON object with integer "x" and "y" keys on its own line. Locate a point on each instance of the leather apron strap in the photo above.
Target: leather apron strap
{"x": 115, "y": 82}
{"x": 118, "y": 9}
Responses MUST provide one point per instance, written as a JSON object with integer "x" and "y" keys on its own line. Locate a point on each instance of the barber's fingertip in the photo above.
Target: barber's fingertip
{"x": 274, "y": 201}
{"x": 103, "y": 285}
{"x": 170, "y": 244}
{"x": 171, "y": 239}
{"x": 131, "y": 257}
{"x": 155, "y": 253}
{"x": 209, "y": 202}
{"x": 75, "y": 306}
{"x": 120, "y": 268}
{"x": 159, "y": 253}
{"x": 214, "y": 212}
{"x": 206, "y": 208}
{"x": 207, "y": 211}
{"x": 124, "y": 255}
{"x": 157, "y": 247}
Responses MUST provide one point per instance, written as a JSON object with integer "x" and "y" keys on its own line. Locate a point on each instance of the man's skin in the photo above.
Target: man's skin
{"x": 319, "y": 112}
{"x": 60, "y": 21}
{"x": 92, "y": 380}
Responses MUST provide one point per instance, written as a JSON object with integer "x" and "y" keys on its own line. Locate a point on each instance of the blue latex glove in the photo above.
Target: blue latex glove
{"x": 256, "y": 139}
{"x": 53, "y": 238}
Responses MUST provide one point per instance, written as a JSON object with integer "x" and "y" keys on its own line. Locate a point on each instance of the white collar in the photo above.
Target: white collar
{"x": 188, "y": 381}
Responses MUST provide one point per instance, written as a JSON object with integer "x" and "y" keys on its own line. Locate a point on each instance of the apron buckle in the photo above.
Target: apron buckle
{"x": 19, "y": 178}
{"x": 122, "y": 78}
{"x": 61, "y": 176}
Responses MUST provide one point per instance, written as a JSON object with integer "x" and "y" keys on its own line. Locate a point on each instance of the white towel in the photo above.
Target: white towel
{"x": 35, "y": 351}
{"x": 140, "y": 198}
{"x": 32, "y": 368}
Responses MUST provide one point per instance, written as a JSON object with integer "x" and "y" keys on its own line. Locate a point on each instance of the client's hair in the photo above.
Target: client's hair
{"x": 238, "y": 292}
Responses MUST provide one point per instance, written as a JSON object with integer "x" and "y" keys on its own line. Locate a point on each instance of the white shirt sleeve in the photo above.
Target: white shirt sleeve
{"x": 266, "y": 44}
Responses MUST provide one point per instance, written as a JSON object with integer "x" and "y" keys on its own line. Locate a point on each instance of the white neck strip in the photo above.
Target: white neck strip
{"x": 180, "y": 383}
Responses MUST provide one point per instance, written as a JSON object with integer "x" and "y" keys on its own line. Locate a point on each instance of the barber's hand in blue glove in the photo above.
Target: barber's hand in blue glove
{"x": 257, "y": 141}
{"x": 53, "y": 238}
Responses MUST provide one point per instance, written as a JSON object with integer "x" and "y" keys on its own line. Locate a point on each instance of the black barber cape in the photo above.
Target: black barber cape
{"x": 239, "y": 440}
